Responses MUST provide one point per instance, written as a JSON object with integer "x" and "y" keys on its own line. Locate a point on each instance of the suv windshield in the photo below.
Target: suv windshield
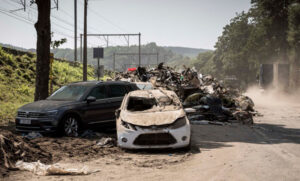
{"x": 69, "y": 92}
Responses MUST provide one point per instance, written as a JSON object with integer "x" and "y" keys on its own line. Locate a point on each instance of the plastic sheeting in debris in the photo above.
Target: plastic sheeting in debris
{"x": 33, "y": 135}
{"x": 39, "y": 168}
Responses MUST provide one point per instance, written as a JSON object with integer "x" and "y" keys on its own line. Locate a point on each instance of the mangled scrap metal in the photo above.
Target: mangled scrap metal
{"x": 209, "y": 98}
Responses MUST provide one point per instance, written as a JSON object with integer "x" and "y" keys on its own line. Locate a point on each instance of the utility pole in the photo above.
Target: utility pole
{"x": 139, "y": 49}
{"x": 114, "y": 67}
{"x": 85, "y": 42}
{"x": 81, "y": 48}
{"x": 75, "y": 30}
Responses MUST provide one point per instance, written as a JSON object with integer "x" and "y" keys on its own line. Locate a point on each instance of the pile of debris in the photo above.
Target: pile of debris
{"x": 203, "y": 96}
{"x": 14, "y": 148}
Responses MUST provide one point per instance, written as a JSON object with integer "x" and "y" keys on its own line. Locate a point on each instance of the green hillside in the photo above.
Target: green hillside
{"x": 123, "y": 61}
{"x": 17, "y": 79}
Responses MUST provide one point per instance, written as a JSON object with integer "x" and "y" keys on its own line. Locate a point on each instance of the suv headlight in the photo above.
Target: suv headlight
{"x": 180, "y": 122}
{"x": 52, "y": 112}
{"x": 128, "y": 125}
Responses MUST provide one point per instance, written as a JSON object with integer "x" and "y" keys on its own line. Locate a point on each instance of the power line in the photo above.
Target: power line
{"x": 30, "y": 22}
{"x": 9, "y": 14}
{"x": 106, "y": 19}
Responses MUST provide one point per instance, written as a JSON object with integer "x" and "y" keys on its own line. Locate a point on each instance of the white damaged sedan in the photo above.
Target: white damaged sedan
{"x": 152, "y": 119}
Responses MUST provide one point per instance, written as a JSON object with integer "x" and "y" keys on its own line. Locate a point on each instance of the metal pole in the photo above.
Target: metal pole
{"x": 98, "y": 69}
{"x": 80, "y": 47}
{"x": 139, "y": 49}
{"x": 157, "y": 58}
{"x": 107, "y": 42}
{"x": 85, "y": 42}
{"x": 75, "y": 30}
{"x": 128, "y": 41}
{"x": 114, "y": 66}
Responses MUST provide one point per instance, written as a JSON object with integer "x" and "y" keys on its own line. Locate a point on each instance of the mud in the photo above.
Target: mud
{"x": 76, "y": 149}
{"x": 82, "y": 150}
{"x": 14, "y": 148}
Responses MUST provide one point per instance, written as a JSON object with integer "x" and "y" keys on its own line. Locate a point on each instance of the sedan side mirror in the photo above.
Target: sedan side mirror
{"x": 117, "y": 113}
{"x": 90, "y": 99}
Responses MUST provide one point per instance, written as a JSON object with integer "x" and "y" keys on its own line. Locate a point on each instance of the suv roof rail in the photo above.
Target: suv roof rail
{"x": 97, "y": 81}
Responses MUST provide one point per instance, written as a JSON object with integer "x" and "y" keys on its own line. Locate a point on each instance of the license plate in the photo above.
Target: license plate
{"x": 25, "y": 121}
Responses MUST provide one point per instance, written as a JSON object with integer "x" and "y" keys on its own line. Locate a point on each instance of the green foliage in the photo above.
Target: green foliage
{"x": 17, "y": 80}
{"x": 268, "y": 33}
{"x": 294, "y": 24}
{"x": 57, "y": 43}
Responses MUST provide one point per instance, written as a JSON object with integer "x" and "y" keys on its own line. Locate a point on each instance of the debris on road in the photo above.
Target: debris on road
{"x": 14, "y": 148}
{"x": 41, "y": 169}
{"x": 78, "y": 149}
{"x": 203, "y": 96}
{"x": 106, "y": 142}
{"x": 33, "y": 135}
{"x": 90, "y": 134}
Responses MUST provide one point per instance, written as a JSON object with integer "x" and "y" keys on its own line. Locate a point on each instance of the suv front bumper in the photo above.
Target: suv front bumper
{"x": 38, "y": 125}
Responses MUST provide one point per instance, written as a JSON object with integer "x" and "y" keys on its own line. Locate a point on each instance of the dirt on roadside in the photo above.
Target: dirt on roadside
{"x": 76, "y": 149}
{"x": 81, "y": 150}
{"x": 14, "y": 148}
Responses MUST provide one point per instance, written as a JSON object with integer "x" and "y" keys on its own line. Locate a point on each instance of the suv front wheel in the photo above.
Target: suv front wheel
{"x": 71, "y": 126}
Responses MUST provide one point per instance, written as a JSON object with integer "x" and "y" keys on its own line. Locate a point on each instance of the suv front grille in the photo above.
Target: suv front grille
{"x": 155, "y": 139}
{"x": 31, "y": 115}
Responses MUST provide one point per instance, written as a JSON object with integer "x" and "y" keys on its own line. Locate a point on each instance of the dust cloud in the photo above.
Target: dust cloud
{"x": 272, "y": 97}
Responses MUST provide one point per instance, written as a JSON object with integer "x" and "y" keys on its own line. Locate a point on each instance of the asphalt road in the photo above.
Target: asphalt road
{"x": 268, "y": 150}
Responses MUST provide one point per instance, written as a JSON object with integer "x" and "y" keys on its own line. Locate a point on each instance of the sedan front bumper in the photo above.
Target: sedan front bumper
{"x": 151, "y": 138}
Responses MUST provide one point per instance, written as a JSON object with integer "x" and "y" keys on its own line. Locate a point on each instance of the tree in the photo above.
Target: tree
{"x": 294, "y": 40}
{"x": 233, "y": 53}
{"x": 43, "y": 29}
{"x": 273, "y": 16}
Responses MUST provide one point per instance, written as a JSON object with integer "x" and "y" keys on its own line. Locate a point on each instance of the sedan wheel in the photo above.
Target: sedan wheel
{"x": 71, "y": 126}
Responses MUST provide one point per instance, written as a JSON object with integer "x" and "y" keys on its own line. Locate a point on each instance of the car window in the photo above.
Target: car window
{"x": 133, "y": 87}
{"x": 117, "y": 90}
{"x": 144, "y": 86}
{"x": 99, "y": 92}
{"x": 69, "y": 92}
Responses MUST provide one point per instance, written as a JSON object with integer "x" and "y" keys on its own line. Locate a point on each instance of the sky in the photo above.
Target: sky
{"x": 185, "y": 23}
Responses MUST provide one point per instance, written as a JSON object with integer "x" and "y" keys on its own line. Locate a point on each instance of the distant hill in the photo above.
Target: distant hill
{"x": 185, "y": 51}
{"x": 168, "y": 54}
{"x": 14, "y": 47}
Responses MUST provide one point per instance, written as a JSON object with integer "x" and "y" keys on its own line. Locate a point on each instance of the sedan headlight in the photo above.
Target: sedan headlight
{"x": 179, "y": 123}
{"x": 52, "y": 112}
{"x": 128, "y": 125}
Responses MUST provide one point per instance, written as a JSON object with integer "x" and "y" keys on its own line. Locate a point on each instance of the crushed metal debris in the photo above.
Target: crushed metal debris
{"x": 203, "y": 96}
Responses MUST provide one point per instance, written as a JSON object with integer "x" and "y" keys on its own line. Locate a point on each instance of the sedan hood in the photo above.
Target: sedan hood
{"x": 151, "y": 118}
{"x": 44, "y": 105}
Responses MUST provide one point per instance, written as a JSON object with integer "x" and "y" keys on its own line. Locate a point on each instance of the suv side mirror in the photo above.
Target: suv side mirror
{"x": 117, "y": 113}
{"x": 90, "y": 99}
